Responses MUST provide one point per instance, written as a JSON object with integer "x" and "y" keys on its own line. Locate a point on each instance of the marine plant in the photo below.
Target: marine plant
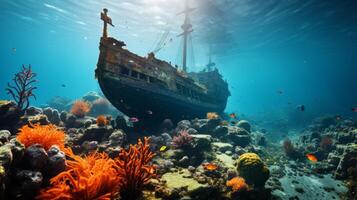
{"x": 237, "y": 184}
{"x": 102, "y": 120}
{"x": 290, "y": 149}
{"x": 23, "y": 87}
{"x": 135, "y": 169}
{"x": 183, "y": 140}
{"x": 80, "y": 108}
{"x": 92, "y": 177}
{"x": 46, "y": 135}
{"x": 252, "y": 169}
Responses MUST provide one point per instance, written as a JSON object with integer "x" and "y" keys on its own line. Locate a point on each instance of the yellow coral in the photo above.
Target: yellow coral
{"x": 252, "y": 169}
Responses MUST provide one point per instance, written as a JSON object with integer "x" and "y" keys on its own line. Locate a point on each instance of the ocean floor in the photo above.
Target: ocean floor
{"x": 84, "y": 149}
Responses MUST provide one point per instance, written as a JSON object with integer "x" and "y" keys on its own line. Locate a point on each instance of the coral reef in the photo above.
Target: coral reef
{"x": 252, "y": 169}
{"x": 23, "y": 88}
{"x": 45, "y": 135}
{"x": 80, "y": 108}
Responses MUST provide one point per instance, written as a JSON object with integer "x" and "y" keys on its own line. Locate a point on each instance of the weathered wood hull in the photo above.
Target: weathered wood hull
{"x": 141, "y": 100}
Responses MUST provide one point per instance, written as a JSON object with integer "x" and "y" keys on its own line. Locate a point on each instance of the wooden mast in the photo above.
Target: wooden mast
{"x": 187, "y": 29}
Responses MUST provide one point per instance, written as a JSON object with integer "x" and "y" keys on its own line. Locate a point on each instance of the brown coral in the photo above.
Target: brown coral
{"x": 135, "y": 169}
{"x": 46, "y": 135}
{"x": 92, "y": 177}
{"x": 80, "y": 108}
{"x": 237, "y": 184}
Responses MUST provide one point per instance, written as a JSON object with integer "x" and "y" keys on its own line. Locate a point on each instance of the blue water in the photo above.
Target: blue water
{"x": 306, "y": 49}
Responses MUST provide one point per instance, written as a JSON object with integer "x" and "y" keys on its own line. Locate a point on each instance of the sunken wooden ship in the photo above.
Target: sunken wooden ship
{"x": 146, "y": 87}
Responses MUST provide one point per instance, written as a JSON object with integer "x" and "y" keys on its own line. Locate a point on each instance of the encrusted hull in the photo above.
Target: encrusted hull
{"x": 138, "y": 99}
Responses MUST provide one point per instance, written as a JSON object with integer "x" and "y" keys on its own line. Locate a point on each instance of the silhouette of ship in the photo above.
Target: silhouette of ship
{"x": 146, "y": 87}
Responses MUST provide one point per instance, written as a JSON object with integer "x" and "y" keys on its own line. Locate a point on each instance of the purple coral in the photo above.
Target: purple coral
{"x": 183, "y": 140}
{"x": 23, "y": 88}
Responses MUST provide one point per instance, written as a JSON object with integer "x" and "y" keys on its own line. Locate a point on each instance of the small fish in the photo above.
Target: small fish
{"x": 311, "y": 157}
{"x": 280, "y": 92}
{"x": 133, "y": 119}
{"x": 301, "y": 108}
{"x": 149, "y": 112}
{"x": 163, "y": 148}
{"x": 354, "y": 109}
{"x": 233, "y": 115}
{"x": 210, "y": 166}
{"x": 14, "y": 50}
{"x": 63, "y": 85}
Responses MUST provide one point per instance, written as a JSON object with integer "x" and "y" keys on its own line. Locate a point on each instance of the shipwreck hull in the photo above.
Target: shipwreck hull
{"x": 150, "y": 102}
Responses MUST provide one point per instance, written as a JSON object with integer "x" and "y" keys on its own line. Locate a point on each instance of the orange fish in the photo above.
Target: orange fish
{"x": 233, "y": 115}
{"x": 311, "y": 157}
{"x": 210, "y": 166}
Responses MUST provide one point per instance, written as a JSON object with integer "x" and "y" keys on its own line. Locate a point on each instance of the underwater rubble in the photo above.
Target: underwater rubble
{"x": 45, "y": 153}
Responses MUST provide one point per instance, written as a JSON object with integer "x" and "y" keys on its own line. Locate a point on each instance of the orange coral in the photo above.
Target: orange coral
{"x": 135, "y": 169}
{"x": 93, "y": 177}
{"x": 102, "y": 120}
{"x": 46, "y": 135}
{"x": 237, "y": 184}
{"x": 212, "y": 115}
{"x": 80, "y": 108}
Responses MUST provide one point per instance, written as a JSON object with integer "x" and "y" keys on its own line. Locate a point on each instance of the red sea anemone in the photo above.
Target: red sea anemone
{"x": 80, "y": 108}
{"x": 46, "y": 135}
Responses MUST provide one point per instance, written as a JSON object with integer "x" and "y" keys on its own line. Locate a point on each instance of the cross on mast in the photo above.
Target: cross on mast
{"x": 106, "y": 20}
{"x": 187, "y": 29}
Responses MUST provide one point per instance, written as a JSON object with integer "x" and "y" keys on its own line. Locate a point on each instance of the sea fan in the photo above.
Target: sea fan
{"x": 135, "y": 169}
{"x": 23, "y": 89}
{"x": 80, "y": 108}
{"x": 46, "y": 135}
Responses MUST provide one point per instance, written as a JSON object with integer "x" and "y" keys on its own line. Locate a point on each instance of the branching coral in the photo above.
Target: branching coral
{"x": 94, "y": 177}
{"x": 290, "y": 149}
{"x": 46, "y": 135}
{"x": 183, "y": 140}
{"x": 212, "y": 115}
{"x": 23, "y": 88}
{"x": 135, "y": 169}
{"x": 237, "y": 184}
{"x": 80, "y": 108}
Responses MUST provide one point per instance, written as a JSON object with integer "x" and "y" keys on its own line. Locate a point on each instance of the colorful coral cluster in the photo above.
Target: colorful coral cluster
{"x": 97, "y": 176}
